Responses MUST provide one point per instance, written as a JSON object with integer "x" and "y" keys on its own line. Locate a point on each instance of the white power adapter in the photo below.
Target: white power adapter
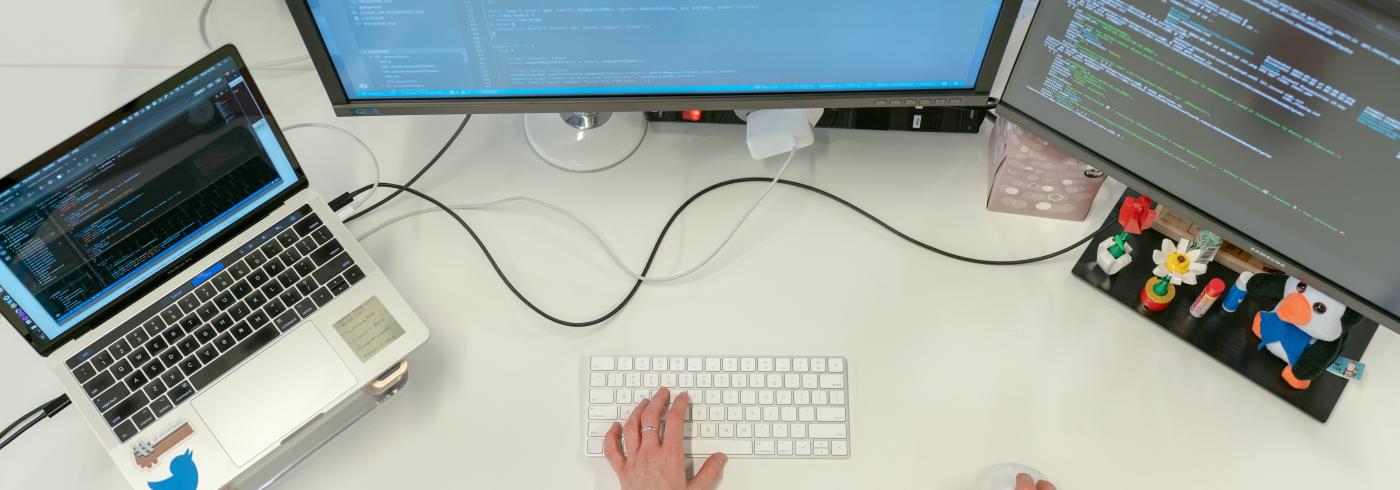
{"x": 777, "y": 131}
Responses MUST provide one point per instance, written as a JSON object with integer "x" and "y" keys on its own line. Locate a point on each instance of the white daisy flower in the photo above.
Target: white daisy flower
{"x": 1177, "y": 264}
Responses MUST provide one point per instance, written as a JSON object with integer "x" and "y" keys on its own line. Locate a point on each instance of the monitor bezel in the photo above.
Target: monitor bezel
{"x": 979, "y": 96}
{"x": 142, "y": 289}
{"x": 1007, "y": 108}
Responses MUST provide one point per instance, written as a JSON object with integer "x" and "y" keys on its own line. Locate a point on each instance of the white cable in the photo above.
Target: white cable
{"x": 597, "y": 237}
{"x": 374, "y": 161}
{"x": 204, "y": 36}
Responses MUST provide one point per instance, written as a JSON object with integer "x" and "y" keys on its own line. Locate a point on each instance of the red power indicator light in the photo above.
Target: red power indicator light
{"x": 692, "y": 115}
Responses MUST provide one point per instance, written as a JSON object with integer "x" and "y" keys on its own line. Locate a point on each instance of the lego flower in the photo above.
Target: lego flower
{"x": 1176, "y": 264}
{"x": 1136, "y": 214}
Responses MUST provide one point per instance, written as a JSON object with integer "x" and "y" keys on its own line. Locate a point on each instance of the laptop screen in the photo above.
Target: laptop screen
{"x": 80, "y": 230}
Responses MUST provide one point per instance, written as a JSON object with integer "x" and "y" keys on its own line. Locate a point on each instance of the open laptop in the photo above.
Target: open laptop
{"x": 197, "y": 300}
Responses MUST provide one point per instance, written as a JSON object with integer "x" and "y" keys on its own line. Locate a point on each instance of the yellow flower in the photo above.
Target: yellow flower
{"x": 1176, "y": 263}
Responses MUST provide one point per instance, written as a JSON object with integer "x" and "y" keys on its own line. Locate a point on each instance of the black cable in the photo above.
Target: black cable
{"x": 416, "y": 176}
{"x": 662, "y": 236}
{"x": 47, "y": 410}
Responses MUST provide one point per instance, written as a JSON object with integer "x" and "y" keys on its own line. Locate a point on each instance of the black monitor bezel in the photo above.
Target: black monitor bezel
{"x": 978, "y": 96}
{"x": 1007, "y": 108}
{"x": 142, "y": 289}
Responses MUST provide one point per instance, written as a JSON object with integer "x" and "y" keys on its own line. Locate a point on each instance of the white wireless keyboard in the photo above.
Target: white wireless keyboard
{"x": 746, "y": 407}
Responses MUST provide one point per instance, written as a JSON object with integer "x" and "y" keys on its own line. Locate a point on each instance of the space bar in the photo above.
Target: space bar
{"x": 232, "y": 357}
{"x": 706, "y": 447}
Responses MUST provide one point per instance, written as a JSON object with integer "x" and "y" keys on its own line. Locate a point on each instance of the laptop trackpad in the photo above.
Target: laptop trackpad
{"x": 272, "y": 395}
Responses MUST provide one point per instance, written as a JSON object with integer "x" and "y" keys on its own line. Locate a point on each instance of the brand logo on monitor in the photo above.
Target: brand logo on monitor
{"x": 1270, "y": 258}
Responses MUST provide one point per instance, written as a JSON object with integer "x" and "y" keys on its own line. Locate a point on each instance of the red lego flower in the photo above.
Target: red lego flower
{"x": 1136, "y": 214}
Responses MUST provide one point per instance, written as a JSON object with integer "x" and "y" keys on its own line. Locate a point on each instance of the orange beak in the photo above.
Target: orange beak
{"x": 1295, "y": 309}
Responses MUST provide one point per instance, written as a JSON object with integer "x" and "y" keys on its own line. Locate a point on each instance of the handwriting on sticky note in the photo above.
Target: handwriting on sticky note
{"x": 368, "y": 328}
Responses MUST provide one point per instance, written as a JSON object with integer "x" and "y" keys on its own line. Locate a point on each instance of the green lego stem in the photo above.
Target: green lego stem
{"x": 1119, "y": 246}
{"x": 1162, "y": 287}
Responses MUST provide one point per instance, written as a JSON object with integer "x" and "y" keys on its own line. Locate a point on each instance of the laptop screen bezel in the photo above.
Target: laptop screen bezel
{"x": 140, "y": 290}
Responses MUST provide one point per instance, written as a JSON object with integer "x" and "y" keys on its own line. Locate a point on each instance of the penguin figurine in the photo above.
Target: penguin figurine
{"x": 1306, "y": 328}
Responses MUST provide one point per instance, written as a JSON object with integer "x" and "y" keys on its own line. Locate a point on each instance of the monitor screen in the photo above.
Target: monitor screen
{"x": 80, "y": 230}
{"x": 1280, "y": 119}
{"x": 456, "y": 49}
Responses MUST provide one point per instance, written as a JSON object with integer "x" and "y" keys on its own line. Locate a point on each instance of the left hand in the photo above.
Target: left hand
{"x": 653, "y": 462}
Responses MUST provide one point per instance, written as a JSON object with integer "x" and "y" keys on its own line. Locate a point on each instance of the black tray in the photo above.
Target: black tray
{"x": 1222, "y": 335}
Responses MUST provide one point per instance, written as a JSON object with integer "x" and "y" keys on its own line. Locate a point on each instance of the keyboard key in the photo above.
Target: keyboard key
{"x": 161, "y": 406}
{"x": 154, "y": 326}
{"x": 238, "y": 270}
{"x": 137, "y": 337}
{"x": 306, "y": 245}
{"x": 274, "y": 307}
{"x": 204, "y": 335}
{"x": 272, "y": 289}
{"x": 323, "y": 235}
{"x": 322, "y": 296}
{"x": 189, "y": 365}
{"x": 224, "y": 342}
{"x": 239, "y": 311}
{"x": 154, "y": 389}
{"x": 271, "y": 249}
{"x": 187, "y": 345}
{"x": 305, "y": 307}
{"x": 231, "y": 358}
{"x": 102, "y": 360}
{"x": 287, "y": 238}
{"x": 602, "y": 412}
{"x": 602, "y": 363}
{"x": 136, "y": 380}
{"x": 258, "y": 278}
{"x": 188, "y": 303}
{"x": 205, "y": 292}
{"x": 706, "y": 447}
{"x": 209, "y": 310}
{"x": 255, "y": 300}
{"x": 354, "y": 274}
{"x": 125, "y": 431}
{"x": 338, "y": 285}
{"x": 290, "y": 256}
{"x": 826, "y": 431}
{"x": 258, "y": 319}
{"x": 333, "y": 267}
{"x": 274, "y": 267}
{"x": 171, "y": 314}
{"x": 124, "y": 409}
{"x": 170, "y": 357}
{"x": 307, "y": 286}
{"x": 180, "y": 392}
{"x": 287, "y": 320}
{"x": 189, "y": 323}
{"x": 831, "y": 414}
{"x": 152, "y": 369}
{"x": 255, "y": 259}
{"x": 288, "y": 278}
{"x": 307, "y": 224}
{"x": 85, "y": 372}
{"x": 121, "y": 368}
{"x": 833, "y": 381}
{"x": 224, "y": 300}
{"x": 156, "y": 344}
{"x": 207, "y": 354}
{"x": 98, "y": 383}
{"x": 290, "y": 296}
{"x": 172, "y": 334}
{"x": 222, "y": 281}
{"x": 119, "y": 349}
{"x": 172, "y": 376}
{"x": 304, "y": 267}
{"x": 326, "y": 252}
{"x": 836, "y": 365}
{"x": 240, "y": 289}
{"x": 222, "y": 322}
{"x": 241, "y": 331}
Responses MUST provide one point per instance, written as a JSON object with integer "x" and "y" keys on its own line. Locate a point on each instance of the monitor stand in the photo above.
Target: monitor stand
{"x": 585, "y": 141}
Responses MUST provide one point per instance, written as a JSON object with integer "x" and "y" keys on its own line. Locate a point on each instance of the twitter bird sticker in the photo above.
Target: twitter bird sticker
{"x": 184, "y": 475}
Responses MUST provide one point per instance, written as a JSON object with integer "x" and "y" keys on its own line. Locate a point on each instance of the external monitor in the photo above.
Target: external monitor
{"x": 501, "y": 56}
{"x": 1276, "y": 123}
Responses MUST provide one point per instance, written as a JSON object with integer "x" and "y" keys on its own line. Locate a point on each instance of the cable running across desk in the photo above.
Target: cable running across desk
{"x": 656, "y": 247}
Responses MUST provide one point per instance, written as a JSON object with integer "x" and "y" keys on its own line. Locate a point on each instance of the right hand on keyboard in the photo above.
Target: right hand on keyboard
{"x": 653, "y": 460}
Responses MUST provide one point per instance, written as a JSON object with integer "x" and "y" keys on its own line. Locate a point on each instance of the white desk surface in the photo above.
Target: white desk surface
{"x": 953, "y": 366}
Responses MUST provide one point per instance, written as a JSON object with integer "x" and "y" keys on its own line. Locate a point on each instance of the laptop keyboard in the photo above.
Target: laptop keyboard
{"x": 143, "y": 369}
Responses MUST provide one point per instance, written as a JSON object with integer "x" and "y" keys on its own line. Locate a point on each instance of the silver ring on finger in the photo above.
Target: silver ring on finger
{"x": 648, "y": 428}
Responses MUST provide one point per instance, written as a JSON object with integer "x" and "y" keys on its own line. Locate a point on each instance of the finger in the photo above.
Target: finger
{"x": 612, "y": 448}
{"x": 630, "y": 434}
{"x": 675, "y": 423}
{"x": 1024, "y": 482}
{"x": 652, "y": 417}
{"x": 709, "y": 473}
{"x": 1044, "y": 485}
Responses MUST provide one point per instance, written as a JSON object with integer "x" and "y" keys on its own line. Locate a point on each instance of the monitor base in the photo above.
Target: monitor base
{"x": 585, "y": 141}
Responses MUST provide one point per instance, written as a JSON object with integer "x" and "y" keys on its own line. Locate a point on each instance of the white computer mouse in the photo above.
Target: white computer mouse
{"x": 1003, "y": 476}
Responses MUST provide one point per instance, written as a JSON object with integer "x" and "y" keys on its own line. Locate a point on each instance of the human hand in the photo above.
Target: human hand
{"x": 1025, "y": 482}
{"x": 653, "y": 462}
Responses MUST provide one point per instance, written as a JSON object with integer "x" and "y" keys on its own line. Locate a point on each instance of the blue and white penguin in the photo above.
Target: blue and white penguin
{"x": 1306, "y": 327}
